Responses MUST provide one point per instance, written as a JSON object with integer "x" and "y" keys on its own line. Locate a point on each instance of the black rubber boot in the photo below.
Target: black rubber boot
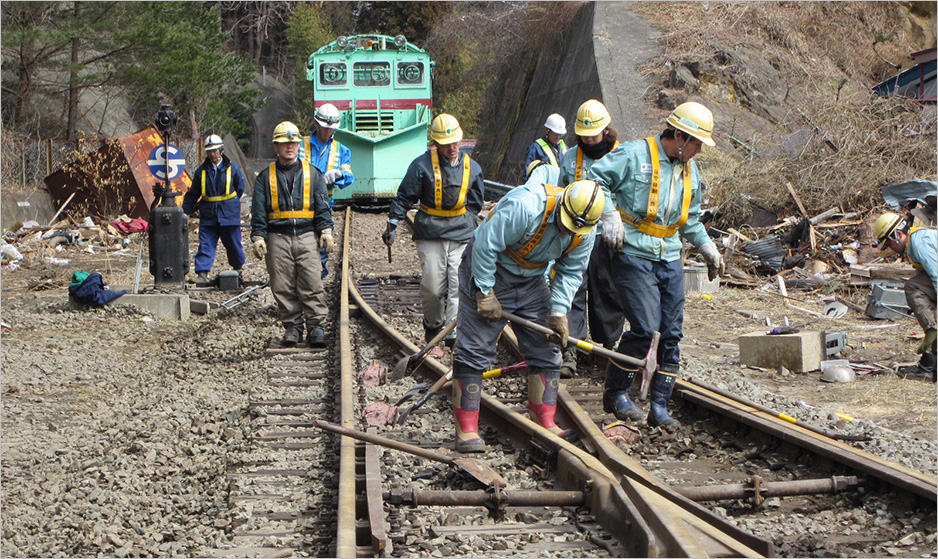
{"x": 616, "y": 396}
{"x": 662, "y": 385}
{"x": 315, "y": 337}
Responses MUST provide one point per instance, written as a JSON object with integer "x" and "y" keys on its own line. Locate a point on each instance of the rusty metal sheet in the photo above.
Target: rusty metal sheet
{"x": 137, "y": 148}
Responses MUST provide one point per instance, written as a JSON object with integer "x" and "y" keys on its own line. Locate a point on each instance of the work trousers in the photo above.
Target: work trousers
{"x": 208, "y": 241}
{"x": 527, "y": 297}
{"x": 599, "y": 300}
{"x": 920, "y": 296}
{"x": 653, "y": 300}
{"x": 295, "y": 278}
{"x": 439, "y": 286}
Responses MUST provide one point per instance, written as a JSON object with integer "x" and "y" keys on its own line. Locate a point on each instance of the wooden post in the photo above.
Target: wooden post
{"x": 804, "y": 213}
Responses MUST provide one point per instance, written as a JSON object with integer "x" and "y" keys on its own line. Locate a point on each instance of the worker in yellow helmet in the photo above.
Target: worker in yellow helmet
{"x": 597, "y": 303}
{"x": 919, "y": 245}
{"x": 290, "y": 221}
{"x": 449, "y": 188}
{"x": 653, "y": 200}
{"x": 532, "y": 226}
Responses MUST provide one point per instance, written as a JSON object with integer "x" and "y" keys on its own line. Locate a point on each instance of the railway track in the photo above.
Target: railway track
{"x": 296, "y": 489}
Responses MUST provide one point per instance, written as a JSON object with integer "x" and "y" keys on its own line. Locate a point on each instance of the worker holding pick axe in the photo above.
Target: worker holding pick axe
{"x": 653, "y": 199}
{"x": 504, "y": 267}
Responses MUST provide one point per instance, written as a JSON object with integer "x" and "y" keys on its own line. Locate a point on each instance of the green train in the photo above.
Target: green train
{"x": 382, "y": 88}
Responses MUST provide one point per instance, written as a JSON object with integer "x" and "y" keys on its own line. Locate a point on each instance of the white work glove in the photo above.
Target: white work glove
{"x": 715, "y": 264}
{"x": 326, "y": 241}
{"x": 332, "y": 175}
{"x": 613, "y": 231}
{"x": 260, "y": 247}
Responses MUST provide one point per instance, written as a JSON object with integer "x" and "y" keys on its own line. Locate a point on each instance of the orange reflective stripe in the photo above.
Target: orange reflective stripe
{"x": 306, "y": 212}
{"x": 460, "y": 207}
{"x": 228, "y": 195}
{"x": 519, "y": 256}
{"x": 648, "y": 225}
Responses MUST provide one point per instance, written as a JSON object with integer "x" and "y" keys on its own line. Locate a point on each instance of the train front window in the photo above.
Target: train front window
{"x": 333, "y": 74}
{"x": 370, "y": 74}
{"x": 410, "y": 73}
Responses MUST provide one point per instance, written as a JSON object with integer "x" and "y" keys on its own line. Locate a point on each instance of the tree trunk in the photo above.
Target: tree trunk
{"x": 73, "y": 91}
{"x": 196, "y": 133}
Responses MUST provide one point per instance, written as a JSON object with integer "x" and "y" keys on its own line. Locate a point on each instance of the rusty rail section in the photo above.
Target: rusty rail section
{"x": 893, "y": 474}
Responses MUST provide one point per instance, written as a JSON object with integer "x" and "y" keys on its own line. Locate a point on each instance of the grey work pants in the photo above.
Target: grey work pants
{"x": 920, "y": 295}
{"x": 527, "y": 297}
{"x": 296, "y": 278}
{"x": 439, "y": 285}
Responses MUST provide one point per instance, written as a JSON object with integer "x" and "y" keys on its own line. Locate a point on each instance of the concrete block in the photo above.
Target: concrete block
{"x": 800, "y": 352}
{"x": 695, "y": 280}
{"x": 200, "y": 307}
{"x": 162, "y": 305}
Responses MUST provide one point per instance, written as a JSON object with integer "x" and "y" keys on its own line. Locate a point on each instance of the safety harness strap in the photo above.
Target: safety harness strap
{"x": 519, "y": 256}
{"x": 277, "y": 213}
{"x": 228, "y": 195}
{"x": 648, "y": 225}
{"x": 460, "y": 207}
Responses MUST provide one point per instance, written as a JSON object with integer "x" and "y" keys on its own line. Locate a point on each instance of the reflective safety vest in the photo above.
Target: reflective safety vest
{"x": 578, "y": 171}
{"x": 275, "y": 201}
{"x": 331, "y": 164}
{"x": 562, "y": 147}
{"x": 460, "y": 207}
{"x": 648, "y": 225}
{"x": 519, "y": 256}
{"x": 228, "y": 195}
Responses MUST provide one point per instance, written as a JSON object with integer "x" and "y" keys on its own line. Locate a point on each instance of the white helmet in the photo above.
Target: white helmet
{"x": 556, "y": 124}
{"x": 213, "y": 142}
{"x": 327, "y": 116}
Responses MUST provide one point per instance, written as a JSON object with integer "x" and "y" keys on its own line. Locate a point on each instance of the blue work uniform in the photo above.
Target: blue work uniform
{"x": 649, "y": 271}
{"x": 217, "y": 191}
{"x": 507, "y": 257}
{"x": 328, "y": 156}
{"x": 541, "y": 149}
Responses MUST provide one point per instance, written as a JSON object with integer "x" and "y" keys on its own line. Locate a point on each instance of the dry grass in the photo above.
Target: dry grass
{"x": 822, "y": 54}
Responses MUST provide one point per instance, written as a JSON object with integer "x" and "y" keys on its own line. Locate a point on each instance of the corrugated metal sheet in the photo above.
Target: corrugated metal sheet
{"x": 113, "y": 180}
{"x": 769, "y": 250}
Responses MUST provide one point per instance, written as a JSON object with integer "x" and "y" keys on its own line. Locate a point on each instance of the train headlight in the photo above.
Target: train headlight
{"x": 342, "y": 41}
{"x": 400, "y": 41}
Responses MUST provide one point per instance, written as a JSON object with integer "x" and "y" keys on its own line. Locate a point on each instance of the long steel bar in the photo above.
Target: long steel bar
{"x": 489, "y": 499}
{"x": 759, "y": 489}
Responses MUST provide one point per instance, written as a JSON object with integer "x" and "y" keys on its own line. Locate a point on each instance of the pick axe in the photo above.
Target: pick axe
{"x": 648, "y": 365}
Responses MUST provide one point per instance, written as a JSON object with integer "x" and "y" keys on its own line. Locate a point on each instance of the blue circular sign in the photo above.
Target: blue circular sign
{"x": 157, "y": 162}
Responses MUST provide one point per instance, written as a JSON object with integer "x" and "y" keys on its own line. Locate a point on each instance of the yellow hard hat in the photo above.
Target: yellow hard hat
{"x": 286, "y": 132}
{"x": 582, "y": 206}
{"x": 591, "y": 118}
{"x": 445, "y": 130}
{"x": 884, "y": 228}
{"x": 695, "y": 119}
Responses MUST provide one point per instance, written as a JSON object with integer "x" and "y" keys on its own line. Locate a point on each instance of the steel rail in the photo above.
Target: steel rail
{"x": 346, "y": 535}
{"x": 892, "y": 473}
{"x": 682, "y": 527}
{"x": 576, "y": 468}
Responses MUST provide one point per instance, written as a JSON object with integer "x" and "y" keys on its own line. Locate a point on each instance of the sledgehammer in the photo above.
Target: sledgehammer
{"x": 648, "y": 365}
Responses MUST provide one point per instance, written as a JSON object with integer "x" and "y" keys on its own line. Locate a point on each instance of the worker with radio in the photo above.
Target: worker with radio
{"x": 550, "y": 148}
{"x": 290, "y": 221}
{"x": 503, "y": 268}
{"x": 333, "y": 159}
{"x": 653, "y": 200}
{"x": 596, "y": 309}
{"x": 217, "y": 187}
{"x": 449, "y": 188}
{"x": 919, "y": 246}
